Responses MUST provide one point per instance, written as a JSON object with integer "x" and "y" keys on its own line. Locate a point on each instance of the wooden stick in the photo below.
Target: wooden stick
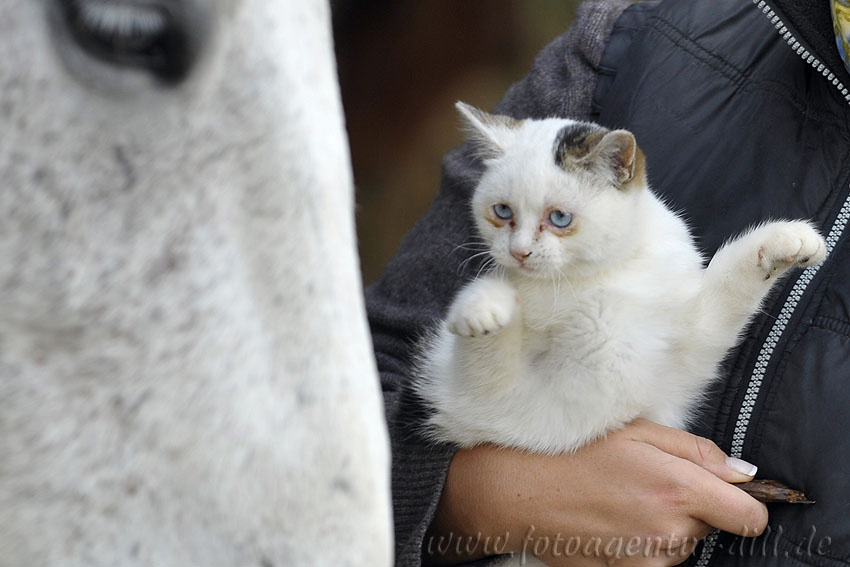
{"x": 773, "y": 491}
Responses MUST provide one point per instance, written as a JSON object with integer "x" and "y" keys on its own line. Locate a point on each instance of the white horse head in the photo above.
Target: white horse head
{"x": 185, "y": 371}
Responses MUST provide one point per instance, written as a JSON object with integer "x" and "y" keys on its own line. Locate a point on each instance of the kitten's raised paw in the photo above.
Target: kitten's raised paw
{"x": 484, "y": 307}
{"x": 791, "y": 243}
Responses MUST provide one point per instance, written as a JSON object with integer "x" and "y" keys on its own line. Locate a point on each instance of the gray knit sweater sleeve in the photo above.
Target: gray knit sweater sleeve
{"x": 426, "y": 272}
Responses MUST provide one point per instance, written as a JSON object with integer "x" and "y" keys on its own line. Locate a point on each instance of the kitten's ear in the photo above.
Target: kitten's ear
{"x": 621, "y": 154}
{"x": 612, "y": 154}
{"x": 489, "y": 132}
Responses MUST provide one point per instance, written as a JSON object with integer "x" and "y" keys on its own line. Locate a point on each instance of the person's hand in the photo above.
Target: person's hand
{"x": 644, "y": 495}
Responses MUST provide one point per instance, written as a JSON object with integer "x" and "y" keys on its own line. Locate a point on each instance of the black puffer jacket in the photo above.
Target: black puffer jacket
{"x": 741, "y": 121}
{"x": 742, "y": 111}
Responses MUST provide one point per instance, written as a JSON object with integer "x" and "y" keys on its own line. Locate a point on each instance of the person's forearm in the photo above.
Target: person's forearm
{"x": 461, "y": 530}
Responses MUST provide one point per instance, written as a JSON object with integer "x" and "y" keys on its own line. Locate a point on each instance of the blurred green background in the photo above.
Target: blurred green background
{"x": 402, "y": 65}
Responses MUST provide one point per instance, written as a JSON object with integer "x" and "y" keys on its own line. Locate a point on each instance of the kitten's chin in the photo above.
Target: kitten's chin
{"x": 539, "y": 272}
{"x": 532, "y": 273}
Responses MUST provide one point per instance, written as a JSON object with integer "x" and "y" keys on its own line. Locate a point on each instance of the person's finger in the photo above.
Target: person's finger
{"x": 725, "y": 506}
{"x": 698, "y": 450}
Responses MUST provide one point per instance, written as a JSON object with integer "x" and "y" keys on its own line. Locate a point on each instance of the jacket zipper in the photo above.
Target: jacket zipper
{"x": 742, "y": 423}
{"x": 800, "y": 50}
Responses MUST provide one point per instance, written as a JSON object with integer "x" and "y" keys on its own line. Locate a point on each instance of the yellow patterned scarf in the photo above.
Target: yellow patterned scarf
{"x": 841, "y": 26}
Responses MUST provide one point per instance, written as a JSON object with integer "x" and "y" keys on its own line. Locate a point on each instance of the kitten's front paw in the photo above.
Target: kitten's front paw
{"x": 791, "y": 243}
{"x": 485, "y": 307}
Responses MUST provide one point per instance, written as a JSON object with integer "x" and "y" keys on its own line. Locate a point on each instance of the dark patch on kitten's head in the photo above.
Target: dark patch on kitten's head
{"x": 589, "y": 147}
{"x": 575, "y": 141}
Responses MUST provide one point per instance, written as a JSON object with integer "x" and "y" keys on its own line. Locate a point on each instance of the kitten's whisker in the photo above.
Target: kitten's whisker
{"x": 462, "y": 266}
{"x": 763, "y": 311}
{"x": 470, "y": 247}
{"x": 569, "y": 283}
{"x": 554, "y": 301}
{"x": 490, "y": 261}
{"x": 476, "y": 243}
{"x": 472, "y": 237}
{"x": 556, "y": 283}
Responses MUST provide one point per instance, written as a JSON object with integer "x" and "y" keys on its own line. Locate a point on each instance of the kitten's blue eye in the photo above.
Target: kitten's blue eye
{"x": 503, "y": 211}
{"x": 560, "y": 219}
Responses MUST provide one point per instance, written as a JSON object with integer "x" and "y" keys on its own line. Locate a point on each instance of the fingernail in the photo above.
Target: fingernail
{"x": 741, "y": 466}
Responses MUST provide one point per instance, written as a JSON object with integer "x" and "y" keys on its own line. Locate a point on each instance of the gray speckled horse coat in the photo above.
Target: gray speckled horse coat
{"x": 185, "y": 371}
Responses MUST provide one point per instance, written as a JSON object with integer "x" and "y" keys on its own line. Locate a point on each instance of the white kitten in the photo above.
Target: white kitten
{"x": 599, "y": 309}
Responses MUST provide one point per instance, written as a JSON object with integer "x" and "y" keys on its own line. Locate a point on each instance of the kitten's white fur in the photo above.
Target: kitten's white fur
{"x": 615, "y": 319}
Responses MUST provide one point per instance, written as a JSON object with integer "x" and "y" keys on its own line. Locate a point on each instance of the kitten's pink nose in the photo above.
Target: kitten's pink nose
{"x": 520, "y": 255}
